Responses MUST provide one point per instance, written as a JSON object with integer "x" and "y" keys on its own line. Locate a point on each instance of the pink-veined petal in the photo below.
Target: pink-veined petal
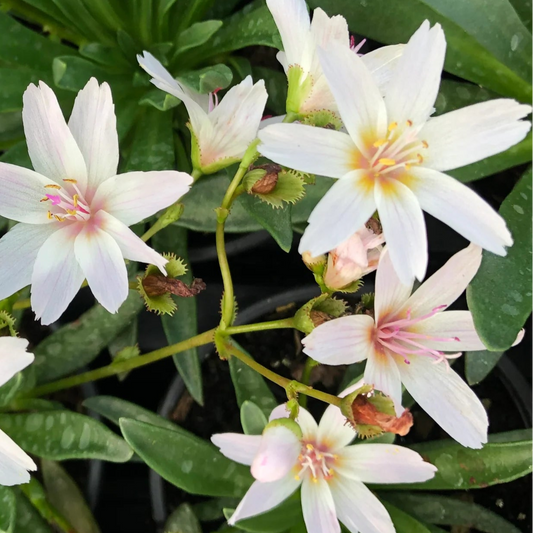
{"x": 277, "y": 454}
{"x": 382, "y": 62}
{"x": 305, "y": 420}
{"x": 239, "y": 448}
{"x": 404, "y": 229}
{"x": 473, "y": 133}
{"x": 133, "y": 196}
{"x": 13, "y": 357}
{"x": 339, "y": 214}
{"x": 461, "y": 208}
{"x": 341, "y": 341}
{"x": 94, "y": 126}
{"x": 103, "y": 265}
{"x": 447, "y": 399}
{"x": 56, "y": 276}
{"x": 334, "y": 431}
{"x": 14, "y": 463}
{"x": 413, "y": 87}
{"x": 261, "y": 497}
{"x": 53, "y": 150}
{"x": 18, "y": 250}
{"x": 357, "y": 508}
{"x": 131, "y": 246}
{"x": 318, "y": 507}
{"x": 358, "y": 98}
{"x": 382, "y": 371}
{"x": 383, "y": 463}
{"x": 308, "y": 149}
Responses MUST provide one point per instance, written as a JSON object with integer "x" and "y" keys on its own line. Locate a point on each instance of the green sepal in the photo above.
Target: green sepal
{"x": 300, "y": 86}
{"x": 289, "y": 188}
{"x": 333, "y": 308}
{"x": 288, "y": 423}
{"x": 323, "y": 119}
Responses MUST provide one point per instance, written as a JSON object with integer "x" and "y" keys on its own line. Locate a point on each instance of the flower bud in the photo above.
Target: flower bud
{"x": 268, "y": 182}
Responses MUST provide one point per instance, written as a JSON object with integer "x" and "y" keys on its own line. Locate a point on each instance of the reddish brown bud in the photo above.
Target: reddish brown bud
{"x": 319, "y": 317}
{"x": 364, "y": 412}
{"x": 157, "y": 285}
{"x": 269, "y": 181}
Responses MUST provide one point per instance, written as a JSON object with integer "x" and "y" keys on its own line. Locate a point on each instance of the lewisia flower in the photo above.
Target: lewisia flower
{"x": 308, "y": 88}
{"x": 407, "y": 341}
{"x": 331, "y": 473}
{"x": 393, "y": 157}
{"x": 356, "y": 257}
{"x": 14, "y": 462}
{"x": 221, "y": 131}
{"x": 74, "y": 210}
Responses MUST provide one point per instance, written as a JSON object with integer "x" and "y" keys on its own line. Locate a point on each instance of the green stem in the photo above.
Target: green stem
{"x": 262, "y": 326}
{"x": 123, "y": 366}
{"x": 306, "y": 375}
{"x": 196, "y": 174}
{"x": 22, "y": 304}
{"x": 290, "y": 117}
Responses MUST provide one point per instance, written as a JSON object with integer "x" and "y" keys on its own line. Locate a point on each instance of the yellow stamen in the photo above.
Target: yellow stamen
{"x": 309, "y": 446}
{"x": 409, "y": 123}
{"x": 420, "y": 158}
{"x": 379, "y": 143}
{"x": 45, "y": 199}
{"x": 52, "y": 186}
{"x": 315, "y": 480}
{"x": 75, "y": 200}
{"x": 49, "y": 215}
{"x": 425, "y": 144}
{"x": 72, "y": 211}
{"x": 297, "y": 478}
{"x": 393, "y": 126}
{"x": 407, "y": 166}
{"x": 386, "y": 161}
{"x": 59, "y": 219}
{"x": 70, "y": 180}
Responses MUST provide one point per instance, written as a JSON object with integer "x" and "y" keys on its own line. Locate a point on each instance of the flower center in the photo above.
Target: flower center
{"x": 67, "y": 202}
{"x": 315, "y": 462}
{"x": 397, "y": 337}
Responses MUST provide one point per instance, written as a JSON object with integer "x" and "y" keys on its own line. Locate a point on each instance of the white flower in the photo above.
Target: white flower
{"x": 222, "y": 131}
{"x": 406, "y": 343}
{"x": 308, "y": 88}
{"x": 14, "y": 462}
{"x": 331, "y": 473}
{"x": 393, "y": 155}
{"x": 74, "y": 211}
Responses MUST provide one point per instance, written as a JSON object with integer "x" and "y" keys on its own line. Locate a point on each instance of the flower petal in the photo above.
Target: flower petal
{"x": 277, "y": 454}
{"x": 13, "y": 357}
{"x": 239, "y": 448}
{"x": 94, "y": 126}
{"x": 414, "y": 85}
{"x": 447, "y": 284}
{"x": 262, "y": 497}
{"x": 53, "y": 150}
{"x": 56, "y": 276}
{"x": 339, "y": 214}
{"x": 131, "y": 246}
{"x": 382, "y": 62}
{"x": 334, "y": 432}
{"x": 357, "y": 508}
{"x": 447, "y": 399}
{"x": 341, "y": 341}
{"x": 473, "y": 133}
{"x": 383, "y": 463}
{"x": 404, "y": 229}
{"x": 22, "y": 192}
{"x": 308, "y": 149}
{"x": 382, "y": 371}
{"x": 133, "y": 196}
{"x": 14, "y": 463}
{"x": 103, "y": 265}
{"x": 318, "y": 507}
{"x": 358, "y": 98}
{"x": 305, "y": 420}
{"x": 461, "y": 208}
{"x": 18, "y": 250}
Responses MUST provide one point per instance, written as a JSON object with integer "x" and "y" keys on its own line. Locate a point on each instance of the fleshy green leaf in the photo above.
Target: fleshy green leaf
{"x": 253, "y": 420}
{"x": 404, "y": 523}
{"x": 13, "y": 83}
{"x": 17, "y": 155}
{"x": 500, "y": 294}
{"x": 159, "y": 99}
{"x": 208, "y": 79}
{"x": 125, "y": 340}
{"x": 276, "y": 86}
{"x": 9, "y": 390}
{"x": 479, "y": 364}
{"x": 197, "y": 34}
{"x": 183, "y": 520}
{"x": 59, "y": 435}
{"x": 8, "y": 510}
{"x": 186, "y": 461}
{"x": 28, "y": 518}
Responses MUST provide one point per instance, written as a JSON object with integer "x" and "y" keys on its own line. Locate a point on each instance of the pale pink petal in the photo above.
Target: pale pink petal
{"x": 341, "y": 341}
{"x": 358, "y": 98}
{"x": 13, "y": 357}
{"x": 133, "y": 196}
{"x": 305, "y": 420}
{"x": 461, "y": 208}
{"x": 103, "y": 265}
{"x": 53, "y": 150}
{"x": 447, "y": 284}
{"x": 56, "y": 276}
{"x": 383, "y": 463}
{"x": 22, "y": 192}
{"x": 334, "y": 431}
{"x": 318, "y": 507}
{"x": 14, "y": 463}
{"x": 404, "y": 229}
{"x": 279, "y": 412}
{"x": 339, "y": 214}
{"x": 18, "y": 250}
{"x": 131, "y": 246}
{"x": 320, "y": 151}
{"x": 239, "y": 448}
{"x": 473, "y": 133}
{"x": 357, "y": 508}
{"x": 447, "y": 399}
{"x": 277, "y": 454}
{"x": 382, "y": 62}
{"x": 414, "y": 84}
{"x": 94, "y": 126}
{"x": 261, "y": 497}
{"x": 382, "y": 371}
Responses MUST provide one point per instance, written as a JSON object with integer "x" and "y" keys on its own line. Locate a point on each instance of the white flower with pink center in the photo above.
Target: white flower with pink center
{"x": 14, "y": 462}
{"x": 331, "y": 473}
{"x": 410, "y": 340}
{"x": 74, "y": 210}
